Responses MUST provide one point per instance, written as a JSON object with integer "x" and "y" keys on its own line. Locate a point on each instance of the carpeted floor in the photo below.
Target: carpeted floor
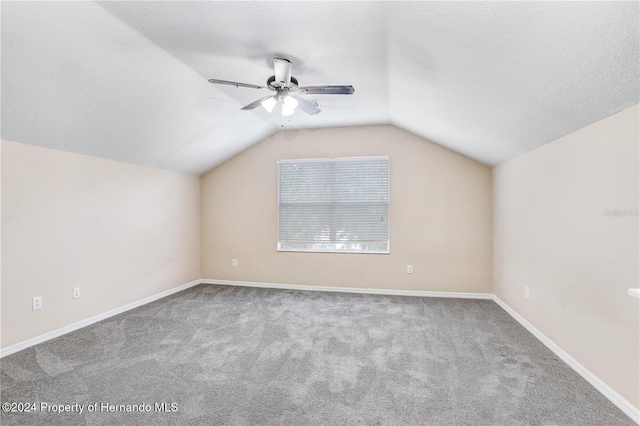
{"x": 249, "y": 356}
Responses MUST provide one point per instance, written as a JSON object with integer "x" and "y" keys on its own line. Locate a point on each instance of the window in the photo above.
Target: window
{"x": 334, "y": 205}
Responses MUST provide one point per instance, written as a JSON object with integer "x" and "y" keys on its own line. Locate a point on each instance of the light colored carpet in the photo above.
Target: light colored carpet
{"x": 248, "y": 356}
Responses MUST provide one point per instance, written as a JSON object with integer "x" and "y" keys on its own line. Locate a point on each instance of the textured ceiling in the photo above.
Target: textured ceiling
{"x": 490, "y": 80}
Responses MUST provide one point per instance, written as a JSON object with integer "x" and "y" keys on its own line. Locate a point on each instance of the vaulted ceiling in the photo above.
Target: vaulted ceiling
{"x": 490, "y": 80}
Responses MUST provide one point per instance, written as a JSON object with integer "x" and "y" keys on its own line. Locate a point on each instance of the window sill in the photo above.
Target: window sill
{"x": 280, "y": 250}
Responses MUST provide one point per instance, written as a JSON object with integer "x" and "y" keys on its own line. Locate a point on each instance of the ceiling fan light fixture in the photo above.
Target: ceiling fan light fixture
{"x": 269, "y": 103}
{"x": 290, "y": 102}
{"x": 286, "y": 110}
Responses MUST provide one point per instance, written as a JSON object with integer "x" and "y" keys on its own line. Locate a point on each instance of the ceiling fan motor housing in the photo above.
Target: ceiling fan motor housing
{"x": 275, "y": 85}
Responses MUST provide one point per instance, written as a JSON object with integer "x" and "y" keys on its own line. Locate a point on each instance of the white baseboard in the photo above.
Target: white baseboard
{"x": 418, "y": 293}
{"x": 627, "y": 407}
{"x": 80, "y": 324}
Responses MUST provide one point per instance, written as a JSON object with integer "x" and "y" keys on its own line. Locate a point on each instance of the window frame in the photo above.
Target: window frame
{"x": 334, "y": 160}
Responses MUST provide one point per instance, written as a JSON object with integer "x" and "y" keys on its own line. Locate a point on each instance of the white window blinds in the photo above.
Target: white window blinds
{"x": 335, "y": 205}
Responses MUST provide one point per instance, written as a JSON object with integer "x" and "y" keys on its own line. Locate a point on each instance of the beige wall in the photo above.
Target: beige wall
{"x": 440, "y": 222}
{"x": 118, "y": 231}
{"x": 551, "y": 234}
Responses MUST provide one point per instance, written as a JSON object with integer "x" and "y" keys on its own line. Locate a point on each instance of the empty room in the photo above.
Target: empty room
{"x": 320, "y": 213}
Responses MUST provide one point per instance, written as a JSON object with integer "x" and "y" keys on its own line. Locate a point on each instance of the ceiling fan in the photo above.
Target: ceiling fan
{"x": 287, "y": 91}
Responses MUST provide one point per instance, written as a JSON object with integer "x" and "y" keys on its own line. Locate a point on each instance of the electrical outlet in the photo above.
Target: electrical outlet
{"x": 409, "y": 269}
{"x": 76, "y": 292}
{"x": 234, "y": 262}
{"x": 526, "y": 292}
{"x": 37, "y": 303}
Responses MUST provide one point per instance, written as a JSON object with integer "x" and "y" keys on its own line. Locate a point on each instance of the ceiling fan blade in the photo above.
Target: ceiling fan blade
{"x": 282, "y": 68}
{"x": 256, "y": 104}
{"x": 235, "y": 83}
{"x": 307, "y": 106}
{"x": 326, "y": 90}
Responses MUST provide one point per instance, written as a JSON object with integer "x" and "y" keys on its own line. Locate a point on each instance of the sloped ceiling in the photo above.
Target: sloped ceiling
{"x": 490, "y": 80}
